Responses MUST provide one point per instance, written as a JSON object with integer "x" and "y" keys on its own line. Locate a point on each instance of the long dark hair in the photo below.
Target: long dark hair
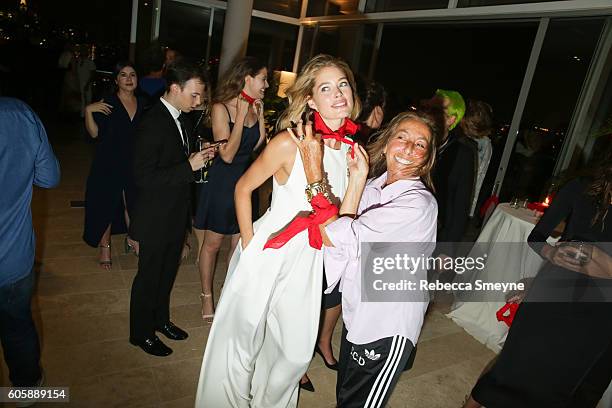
{"x": 233, "y": 81}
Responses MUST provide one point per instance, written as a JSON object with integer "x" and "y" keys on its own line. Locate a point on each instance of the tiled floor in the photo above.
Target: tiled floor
{"x": 82, "y": 315}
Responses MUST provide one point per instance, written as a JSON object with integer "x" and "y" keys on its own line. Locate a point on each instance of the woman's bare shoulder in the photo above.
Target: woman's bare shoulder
{"x": 282, "y": 144}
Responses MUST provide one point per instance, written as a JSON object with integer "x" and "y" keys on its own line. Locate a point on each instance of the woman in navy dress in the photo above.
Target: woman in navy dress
{"x": 237, "y": 116}
{"x": 111, "y": 122}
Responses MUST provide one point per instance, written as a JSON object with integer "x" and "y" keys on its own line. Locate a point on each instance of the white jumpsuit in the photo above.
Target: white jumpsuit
{"x": 265, "y": 326}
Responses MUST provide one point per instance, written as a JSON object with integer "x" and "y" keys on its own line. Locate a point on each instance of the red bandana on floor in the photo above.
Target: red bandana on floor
{"x": 247, "y": 98}
{"x": 507, "y": 312}
{"x": 348, "y": 128}
{"x": 322, "y": 210}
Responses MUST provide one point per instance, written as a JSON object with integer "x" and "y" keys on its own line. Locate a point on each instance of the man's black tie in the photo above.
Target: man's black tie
{"x": 185, "y": 136}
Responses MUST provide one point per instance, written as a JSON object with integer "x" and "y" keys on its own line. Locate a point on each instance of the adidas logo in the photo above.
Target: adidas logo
{"x": 371, "y": 354}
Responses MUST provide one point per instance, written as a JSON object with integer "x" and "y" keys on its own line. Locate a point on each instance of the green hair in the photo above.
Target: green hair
{"x": 456, "y": 105}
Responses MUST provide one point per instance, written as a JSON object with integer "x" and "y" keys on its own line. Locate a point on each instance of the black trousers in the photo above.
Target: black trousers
{"x": 367, "y": 373}
{"x": 150, "y": 301}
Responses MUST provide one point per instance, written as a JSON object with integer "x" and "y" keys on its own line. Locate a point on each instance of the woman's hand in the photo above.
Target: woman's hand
{"x": 242, "y": 108}
{"x": 100, "y": 107}
{"x": 245, "y": 240}
{"x": 560, "y": 256}
{"x": 311, "y": 150}
{"x": 359, "y": 166}
{"x": 600, "y": 264}
{"x": 258, "y": 105}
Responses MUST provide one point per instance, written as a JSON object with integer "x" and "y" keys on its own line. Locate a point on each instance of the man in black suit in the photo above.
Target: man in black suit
{"x": 163, "y": 172}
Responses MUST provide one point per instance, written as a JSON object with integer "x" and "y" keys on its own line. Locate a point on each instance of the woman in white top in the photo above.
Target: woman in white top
{"x": 395, "y": 204}
{"x": 266, "y": 322}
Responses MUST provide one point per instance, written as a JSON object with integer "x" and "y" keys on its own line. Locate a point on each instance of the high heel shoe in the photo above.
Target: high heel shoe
{"x": 330, "y": 366}
{"x": 106, "y": 263}
{"x": 128, "y": 246}
{"x": 307, "y": 386}
{"x": 208, "y": 318}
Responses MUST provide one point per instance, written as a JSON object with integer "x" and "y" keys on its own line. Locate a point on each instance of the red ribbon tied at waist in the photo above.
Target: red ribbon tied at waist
{"x": 322, "y": 210}
{"x": 507, "y": 312}
{"x": 348, "y": 128}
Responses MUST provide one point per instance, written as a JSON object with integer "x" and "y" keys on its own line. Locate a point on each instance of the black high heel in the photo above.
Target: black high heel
{"x": 330, "y": 366}
{"x": 307, "y": 386}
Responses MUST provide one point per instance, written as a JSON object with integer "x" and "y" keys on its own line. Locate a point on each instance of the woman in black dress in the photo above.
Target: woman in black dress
{"x": 237, "y": 116}
{"x": 111, "y": 122}
{"x": 559, "y": 349}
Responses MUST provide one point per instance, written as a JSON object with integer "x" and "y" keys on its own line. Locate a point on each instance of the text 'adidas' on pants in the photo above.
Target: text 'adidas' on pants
{"x": 367, "y": 373}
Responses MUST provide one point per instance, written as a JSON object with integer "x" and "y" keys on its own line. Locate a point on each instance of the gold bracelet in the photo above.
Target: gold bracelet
{"x": 317, "y": 187}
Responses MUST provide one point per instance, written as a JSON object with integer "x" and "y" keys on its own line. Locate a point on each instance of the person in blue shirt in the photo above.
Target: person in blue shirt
{"x": 26, "y": 158}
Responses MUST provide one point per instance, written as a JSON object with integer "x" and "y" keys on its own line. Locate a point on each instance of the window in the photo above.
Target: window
{"x": 289, "y": 8}
{"x": 476, "y": 3}
{"x": 273, "y": 43}
{"x": 401, "y": 5}
{"x": 562, "y": 67}
{"x": 331, "y": 7}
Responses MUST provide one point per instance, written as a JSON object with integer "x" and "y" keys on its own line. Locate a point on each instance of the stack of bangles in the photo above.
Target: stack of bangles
{"x": 318, "y": 196}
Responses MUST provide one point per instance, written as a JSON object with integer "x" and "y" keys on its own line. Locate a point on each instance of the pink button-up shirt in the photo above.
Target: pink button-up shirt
{"x": 404, "y": 211}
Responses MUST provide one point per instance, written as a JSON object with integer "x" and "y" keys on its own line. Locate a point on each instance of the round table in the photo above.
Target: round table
{"x": 510, "y": 262}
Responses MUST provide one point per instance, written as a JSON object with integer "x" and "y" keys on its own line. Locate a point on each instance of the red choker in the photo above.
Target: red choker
{"x": 247, "y": 97}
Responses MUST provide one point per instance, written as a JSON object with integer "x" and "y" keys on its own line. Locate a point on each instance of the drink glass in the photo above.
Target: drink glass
{"x": 577, "y": 251}
{"x": 202, "y": 172}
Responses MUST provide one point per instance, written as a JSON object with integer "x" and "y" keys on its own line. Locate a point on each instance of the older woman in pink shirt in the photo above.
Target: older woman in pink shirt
{"x": 389, "y": 199}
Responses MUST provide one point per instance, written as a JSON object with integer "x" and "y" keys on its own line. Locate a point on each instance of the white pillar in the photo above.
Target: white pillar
{"x": 155, "y": 20}
{"x": 235, "y": 32}
{"x": 133, "y": 30}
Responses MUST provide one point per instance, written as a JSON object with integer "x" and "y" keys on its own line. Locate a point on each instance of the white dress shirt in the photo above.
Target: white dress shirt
{"x": 175, "y": 115}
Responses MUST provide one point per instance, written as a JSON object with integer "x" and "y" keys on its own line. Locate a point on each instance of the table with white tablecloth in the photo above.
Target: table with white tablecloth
{"x": 507, "y": 263}
{"x": 504, "y": 263}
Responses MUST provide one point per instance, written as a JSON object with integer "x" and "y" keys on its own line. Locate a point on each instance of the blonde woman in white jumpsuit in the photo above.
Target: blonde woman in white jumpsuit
{"x": 265, "y": 326}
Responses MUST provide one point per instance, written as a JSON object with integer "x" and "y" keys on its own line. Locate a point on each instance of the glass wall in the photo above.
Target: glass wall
{"x": 400, "y": 5}
{"x": 482, "y": 61}
{"x": 185, "y": 27}
{"x": 331, "y": 7}
{"x": 273, "y": 43}
{"x": 476, "y": 3}
{"x": 561, "y": 70}
{"x": 354, "y": 43}
{"x": 289, "y": 8}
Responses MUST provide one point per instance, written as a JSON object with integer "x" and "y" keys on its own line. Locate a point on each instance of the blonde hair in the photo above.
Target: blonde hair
{"x": 376, "y": 148}
{"x": 301, "y": 91}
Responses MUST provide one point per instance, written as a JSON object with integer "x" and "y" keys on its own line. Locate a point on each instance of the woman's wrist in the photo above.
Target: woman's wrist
{"x": 548, "y": 251}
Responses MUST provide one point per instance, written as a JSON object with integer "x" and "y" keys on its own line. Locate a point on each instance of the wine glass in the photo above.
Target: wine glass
{"x": 202, "y": 172}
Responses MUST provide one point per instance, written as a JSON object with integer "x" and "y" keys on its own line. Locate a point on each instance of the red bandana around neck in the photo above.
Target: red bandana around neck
{"x": 348, "y": 128}
{"x": 248, "y": 98}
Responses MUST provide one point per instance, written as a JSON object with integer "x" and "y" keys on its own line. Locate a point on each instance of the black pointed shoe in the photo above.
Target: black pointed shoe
{"x": 307, "y": 386}
{"x": 172, "y": 332}
{"x": 328, "y": 365}
{"x": 153, "y": 346}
